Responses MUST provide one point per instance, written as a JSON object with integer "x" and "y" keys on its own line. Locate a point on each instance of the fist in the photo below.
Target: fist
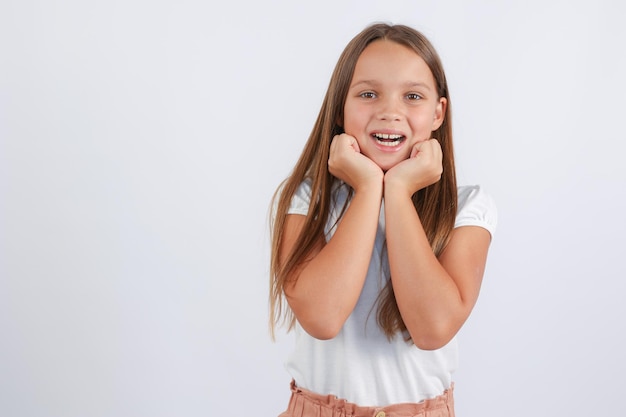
{"x": 348, "y": 164}
{"x": 423, "y": 168}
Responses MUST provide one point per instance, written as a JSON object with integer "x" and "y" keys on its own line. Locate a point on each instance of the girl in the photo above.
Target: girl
{"x": 377, "y": 253}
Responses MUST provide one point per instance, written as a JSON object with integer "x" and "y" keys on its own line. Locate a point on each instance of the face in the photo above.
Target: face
{"x": 392, "y": 103}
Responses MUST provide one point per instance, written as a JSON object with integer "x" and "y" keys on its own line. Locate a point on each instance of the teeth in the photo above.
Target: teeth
{"x": 387, "y": 136}
{"x": 389, "y": 143}
{"x": 387, "y": 139}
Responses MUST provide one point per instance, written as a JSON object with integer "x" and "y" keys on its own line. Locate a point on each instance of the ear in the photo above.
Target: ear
{"x": 339, "y": 126}
{"x": 440, "y": 113}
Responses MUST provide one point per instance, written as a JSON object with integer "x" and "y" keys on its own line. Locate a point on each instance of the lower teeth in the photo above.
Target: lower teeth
{"x": 389, "y": 143}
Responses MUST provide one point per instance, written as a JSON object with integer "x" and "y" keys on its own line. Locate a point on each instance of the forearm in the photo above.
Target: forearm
{"x": 328, "y": 286}
{"x": 428, "y": 298}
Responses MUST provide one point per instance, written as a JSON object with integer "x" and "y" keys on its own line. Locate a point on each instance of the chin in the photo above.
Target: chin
{"x": 386, "y": 166}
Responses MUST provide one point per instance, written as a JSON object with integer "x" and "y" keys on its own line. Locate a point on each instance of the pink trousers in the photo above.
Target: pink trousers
{"x": 305, "y": 403}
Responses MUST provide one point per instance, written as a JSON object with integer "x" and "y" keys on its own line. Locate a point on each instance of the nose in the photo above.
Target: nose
{"x": 389, "y": 110}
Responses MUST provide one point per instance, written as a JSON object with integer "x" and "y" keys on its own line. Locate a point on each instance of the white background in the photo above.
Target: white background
{"x": 141, "y": 141}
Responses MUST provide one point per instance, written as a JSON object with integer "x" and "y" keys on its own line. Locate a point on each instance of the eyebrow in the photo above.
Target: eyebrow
{"x": 407, "y": 84}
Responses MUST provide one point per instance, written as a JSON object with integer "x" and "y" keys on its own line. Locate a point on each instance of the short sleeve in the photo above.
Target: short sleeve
{"x": 301, "y": 199}
{"x": 476, "y": 208}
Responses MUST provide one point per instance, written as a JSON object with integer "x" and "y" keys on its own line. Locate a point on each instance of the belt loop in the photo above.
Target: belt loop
{"x": 294, "y": 387}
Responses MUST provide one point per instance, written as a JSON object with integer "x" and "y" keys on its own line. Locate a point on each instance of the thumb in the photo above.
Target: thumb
{"x": 355, "y": 144}
{"x": 416, "y": 149}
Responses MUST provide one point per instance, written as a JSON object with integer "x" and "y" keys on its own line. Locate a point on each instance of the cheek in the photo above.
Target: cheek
{"x": 353, "y": 119}
{"x": 422, "y": 123}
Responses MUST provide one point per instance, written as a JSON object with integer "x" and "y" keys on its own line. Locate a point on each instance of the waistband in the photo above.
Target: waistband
{"x": 304, "y": 403}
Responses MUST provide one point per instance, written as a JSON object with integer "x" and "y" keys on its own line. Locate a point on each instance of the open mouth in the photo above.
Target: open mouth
{"x": 390, "y": 140}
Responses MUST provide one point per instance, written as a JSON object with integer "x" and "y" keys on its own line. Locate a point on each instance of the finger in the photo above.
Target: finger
{"x": 333, "y": 143}
{"x": 438, "y": 152}
{"x": 355, "y": 144}
{"x": 417, "y": 148}
{"x": 435, "y": 143}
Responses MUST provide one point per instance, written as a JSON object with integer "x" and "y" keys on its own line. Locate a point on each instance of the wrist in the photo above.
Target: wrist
{"x": 395, "y": 188}
{"x": 372, "y": 186}
{"x": 371, "y": 183}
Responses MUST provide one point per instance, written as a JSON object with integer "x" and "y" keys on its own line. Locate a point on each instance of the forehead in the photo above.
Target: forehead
{"x": 384, "y": 60}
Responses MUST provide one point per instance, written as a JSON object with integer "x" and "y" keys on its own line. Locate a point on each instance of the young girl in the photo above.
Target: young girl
{"x": 377, "y": 253}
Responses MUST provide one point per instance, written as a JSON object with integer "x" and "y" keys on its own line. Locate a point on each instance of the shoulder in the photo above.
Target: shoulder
{"x": 476, "y": 208}
{"x": 301, "y": 199}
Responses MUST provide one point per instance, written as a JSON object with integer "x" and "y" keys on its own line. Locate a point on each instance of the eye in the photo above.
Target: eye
{"x": 413, "y": 96}
{"x": 367, "y": 94}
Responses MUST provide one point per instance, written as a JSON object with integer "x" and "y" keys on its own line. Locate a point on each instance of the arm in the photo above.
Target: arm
{"x": 323, "y": 291}
{"x": 435, "y": 295}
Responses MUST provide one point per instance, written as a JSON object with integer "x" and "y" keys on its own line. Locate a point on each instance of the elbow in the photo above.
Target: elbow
{"x": 435, "y": 332}
{"x": 322, "y": 329}
{"x": 432, "y": 339}
{"x": 323, "y": 335}
{"x": 431, "y": 343}
{"x": 319, "y": 321}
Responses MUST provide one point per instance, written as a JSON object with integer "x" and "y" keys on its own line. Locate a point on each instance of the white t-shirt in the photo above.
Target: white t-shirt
{"x": 360, "y": 364}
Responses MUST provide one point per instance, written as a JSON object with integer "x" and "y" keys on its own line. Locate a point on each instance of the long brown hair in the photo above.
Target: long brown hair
{"x": 436, "y": 204}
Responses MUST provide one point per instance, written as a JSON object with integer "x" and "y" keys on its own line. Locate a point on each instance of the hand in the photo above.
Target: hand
{"x": 423, "y": 168}
{"x": 348, "y": 164}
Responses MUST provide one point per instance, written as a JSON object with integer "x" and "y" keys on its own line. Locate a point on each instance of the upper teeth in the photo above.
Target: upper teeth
{"x": 387, "y": 136}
